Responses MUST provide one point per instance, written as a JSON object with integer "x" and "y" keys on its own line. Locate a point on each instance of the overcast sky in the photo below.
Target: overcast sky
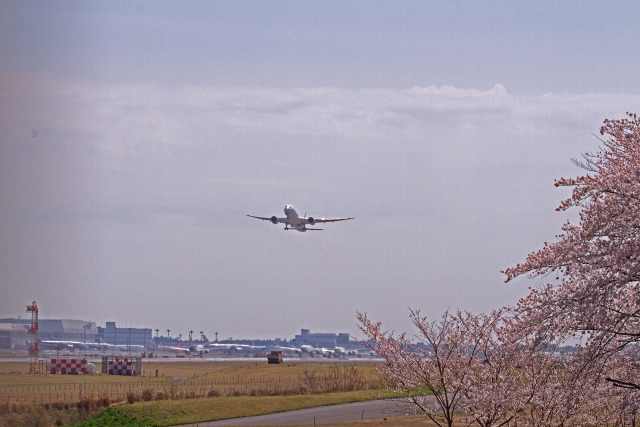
{"x": 136, "y": 136}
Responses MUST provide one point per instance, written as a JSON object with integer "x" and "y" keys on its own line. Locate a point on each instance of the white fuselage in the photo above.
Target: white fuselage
{"x": 293, "y": 219}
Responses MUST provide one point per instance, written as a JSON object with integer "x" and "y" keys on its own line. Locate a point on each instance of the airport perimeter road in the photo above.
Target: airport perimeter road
{"x": 355, "y": 411}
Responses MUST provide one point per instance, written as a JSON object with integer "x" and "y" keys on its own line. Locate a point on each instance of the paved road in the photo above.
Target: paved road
{"x": 356, "y": 411}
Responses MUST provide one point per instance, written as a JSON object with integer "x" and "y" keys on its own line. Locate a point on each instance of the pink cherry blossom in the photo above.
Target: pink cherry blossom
{"x": 597, "y": 262}
{"x": 507, "y": 368}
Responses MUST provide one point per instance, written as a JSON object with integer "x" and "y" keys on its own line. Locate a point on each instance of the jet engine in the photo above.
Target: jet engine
{"x": 311, "y": 220}
{"x": 274, "y": 219}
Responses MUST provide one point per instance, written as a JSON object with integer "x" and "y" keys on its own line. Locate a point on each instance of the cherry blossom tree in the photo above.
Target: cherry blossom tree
{"x": 437, "y": 366}
{"x": 569, "y": 392}
{"x": 510, "y": 372}
{"x": 470, "y": 364}
{"x": 499, "y": 370}
{"x": 482, "y": 369}
{"x": 593, "y": 268}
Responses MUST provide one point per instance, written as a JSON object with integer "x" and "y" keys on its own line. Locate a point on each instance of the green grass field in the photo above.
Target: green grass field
{"x": 183, "y": 392}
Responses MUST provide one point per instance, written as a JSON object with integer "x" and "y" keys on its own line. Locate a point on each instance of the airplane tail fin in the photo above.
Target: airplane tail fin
{"x": 205, "y": 339}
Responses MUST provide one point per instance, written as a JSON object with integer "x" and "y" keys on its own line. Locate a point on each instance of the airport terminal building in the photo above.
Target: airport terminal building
{"x": 321, "y": 340}
{"x": 139, "y": 337}
{"x": 14, "y": 335}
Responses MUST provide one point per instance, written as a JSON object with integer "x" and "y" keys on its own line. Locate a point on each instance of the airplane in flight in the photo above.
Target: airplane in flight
{"x": 295, "y": 222}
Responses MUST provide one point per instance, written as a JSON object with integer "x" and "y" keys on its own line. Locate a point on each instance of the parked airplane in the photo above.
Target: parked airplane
{"x": 199, "y": 348}
{"x": 305, "y": 348}
{"x": 233, "y": 347}
{"x": 55, "y": 345}
{"x": 173, "y": 348}
{"x": 297, "y": 222}
{"x": 75, "y": 345}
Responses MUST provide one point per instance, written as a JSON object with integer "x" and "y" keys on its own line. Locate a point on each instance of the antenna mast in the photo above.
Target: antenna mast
{"x": 33, "y": 331}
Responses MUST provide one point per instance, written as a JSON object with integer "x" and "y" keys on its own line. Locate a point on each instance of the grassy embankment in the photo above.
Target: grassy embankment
{"x": 164, "y": 413}
{"x": 186, "y": 391}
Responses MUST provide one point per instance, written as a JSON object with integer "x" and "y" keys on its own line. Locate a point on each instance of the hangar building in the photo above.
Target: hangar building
{"x": 13, "y": 332}
{"x": 13, "y": 336}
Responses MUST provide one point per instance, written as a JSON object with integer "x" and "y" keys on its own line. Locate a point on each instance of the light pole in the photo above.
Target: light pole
{"x": 168, "y": 336}
{"x": 216, "y": 337}
{"x": 84, "y": 333}
{"x": 157, "y": 330}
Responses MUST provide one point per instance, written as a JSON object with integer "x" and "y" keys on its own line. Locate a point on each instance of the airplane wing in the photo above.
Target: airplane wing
{"x": 331, "y": 219}
{"x": 272, "y": 219}
{"x": 260, "y": 217}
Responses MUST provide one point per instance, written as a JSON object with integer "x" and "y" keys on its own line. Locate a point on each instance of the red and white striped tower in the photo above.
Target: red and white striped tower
{"x": 33, "y": 331}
